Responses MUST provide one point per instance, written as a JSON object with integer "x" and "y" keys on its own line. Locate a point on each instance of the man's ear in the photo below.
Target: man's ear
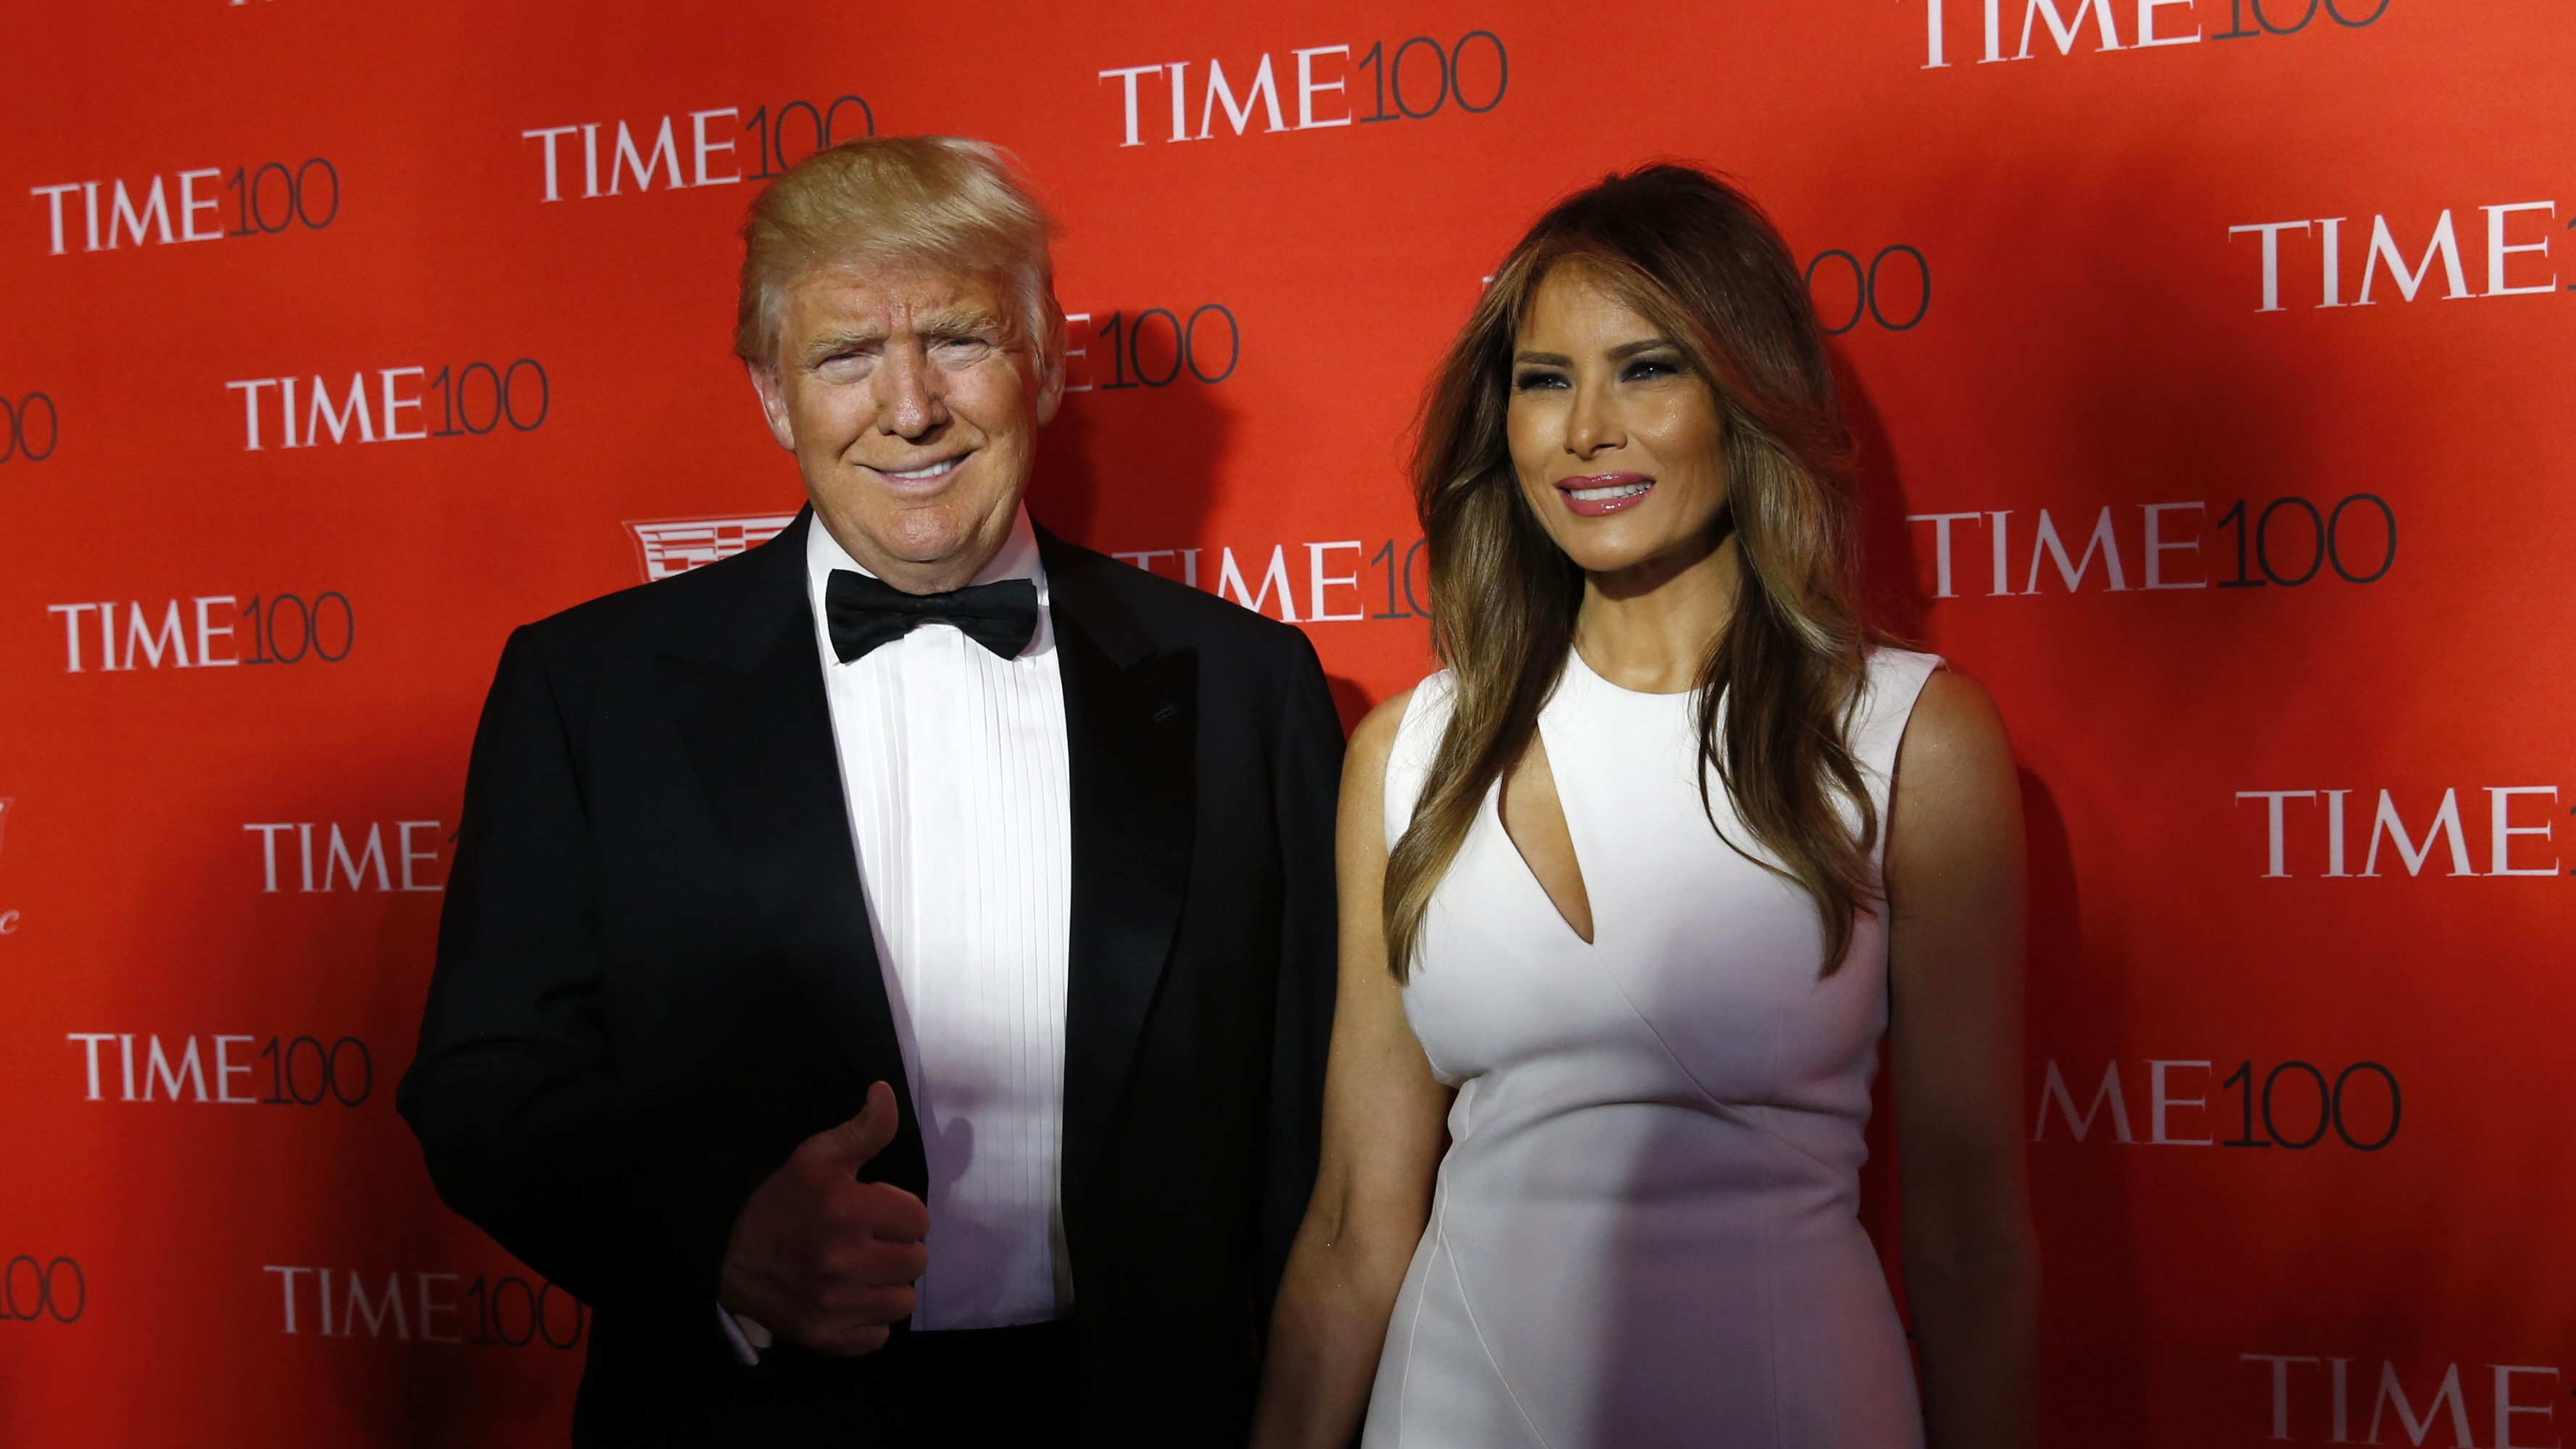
{"x": 773, "y": 402}
{"x": 1050, "y": 378}
{"x": 1049, "y": 356}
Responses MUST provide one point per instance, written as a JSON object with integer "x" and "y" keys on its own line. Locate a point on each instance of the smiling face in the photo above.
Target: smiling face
{"x": 913, "y": 411}
{"x": 1614, "y": 435}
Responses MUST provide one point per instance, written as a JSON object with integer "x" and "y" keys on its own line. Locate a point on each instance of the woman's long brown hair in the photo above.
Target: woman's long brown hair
{"x": 1696, "y": 257}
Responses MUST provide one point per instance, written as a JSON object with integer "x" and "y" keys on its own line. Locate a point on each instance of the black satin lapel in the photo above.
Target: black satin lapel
{"x": 1131, "y": 733}
{"x": 764, "y": 754}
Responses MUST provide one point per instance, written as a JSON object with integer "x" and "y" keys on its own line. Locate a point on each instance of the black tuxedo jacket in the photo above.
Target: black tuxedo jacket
{"x": 656, "y": 977}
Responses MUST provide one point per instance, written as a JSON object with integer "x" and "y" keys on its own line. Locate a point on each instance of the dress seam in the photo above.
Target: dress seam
{"x": 1412, "y": 1332}
{"x": 1469, "y": 1309}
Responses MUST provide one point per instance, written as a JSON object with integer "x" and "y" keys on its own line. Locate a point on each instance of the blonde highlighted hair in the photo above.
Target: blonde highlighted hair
{"x": 930, "y": 203}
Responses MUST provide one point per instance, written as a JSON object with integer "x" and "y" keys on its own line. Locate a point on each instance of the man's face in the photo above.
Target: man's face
{"x": 912, "y": 416}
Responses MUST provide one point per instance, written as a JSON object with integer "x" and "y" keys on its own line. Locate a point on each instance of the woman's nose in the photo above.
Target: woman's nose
{"x": 1592, "y": 424}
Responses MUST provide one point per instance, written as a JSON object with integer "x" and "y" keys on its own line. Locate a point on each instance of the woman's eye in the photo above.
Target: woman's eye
{"x": 1532, "y": 381}
{"x": 1647, "y": 368}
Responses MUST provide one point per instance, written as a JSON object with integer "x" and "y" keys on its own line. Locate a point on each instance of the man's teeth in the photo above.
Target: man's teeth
{"x": 930, "y": 470}
{"x": 1595, "y": 495}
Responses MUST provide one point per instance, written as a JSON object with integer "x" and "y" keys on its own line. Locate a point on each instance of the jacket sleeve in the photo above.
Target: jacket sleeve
{"x": 1307, "y": 782}
{"x": 515, "y": 1094}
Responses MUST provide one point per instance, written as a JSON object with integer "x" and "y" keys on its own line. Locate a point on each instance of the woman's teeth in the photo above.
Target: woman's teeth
{"x": 1597, "y": 495}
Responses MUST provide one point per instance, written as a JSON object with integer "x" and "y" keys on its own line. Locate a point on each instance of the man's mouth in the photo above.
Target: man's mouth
{"x": 931, "y": 472}
{"x": 1593, "y": 497}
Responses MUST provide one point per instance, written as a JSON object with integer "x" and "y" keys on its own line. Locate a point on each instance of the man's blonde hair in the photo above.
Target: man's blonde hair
{"x": 940, "y": 203}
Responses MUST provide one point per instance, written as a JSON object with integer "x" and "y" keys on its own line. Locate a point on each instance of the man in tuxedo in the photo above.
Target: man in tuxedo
{"x": 886, "y": 974}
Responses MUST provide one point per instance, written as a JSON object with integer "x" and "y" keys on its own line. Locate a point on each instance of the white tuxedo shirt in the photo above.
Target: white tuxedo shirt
{"x": 954, "y": 766}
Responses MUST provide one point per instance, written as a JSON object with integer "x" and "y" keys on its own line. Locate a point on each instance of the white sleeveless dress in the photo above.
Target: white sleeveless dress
{"x": 1644, "y": 1230}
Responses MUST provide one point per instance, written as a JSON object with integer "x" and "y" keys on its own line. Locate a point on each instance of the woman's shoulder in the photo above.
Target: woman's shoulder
{"x": 1955, "y": 718}
{"x": 1924, "y": 711}
{"x": 1892, "y": 685}
{"x": 1892, "y": 668}
{"x": 1957, "y": 793}
{"x": 1373, "y": 739}
{"x": 1395, "y": 740}
{"x": 1399, "y": 718}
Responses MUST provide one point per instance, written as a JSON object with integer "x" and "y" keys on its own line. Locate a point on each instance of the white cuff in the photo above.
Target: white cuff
{"x": 747, "y": 1337}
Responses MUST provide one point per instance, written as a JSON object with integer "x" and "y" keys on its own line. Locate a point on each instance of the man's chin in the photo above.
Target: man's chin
{"x": 940, "y": 535}
{"x": 927, "y": 539}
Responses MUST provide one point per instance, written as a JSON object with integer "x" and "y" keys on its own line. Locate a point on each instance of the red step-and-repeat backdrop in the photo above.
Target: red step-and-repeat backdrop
{"x": 2212, "y": 359}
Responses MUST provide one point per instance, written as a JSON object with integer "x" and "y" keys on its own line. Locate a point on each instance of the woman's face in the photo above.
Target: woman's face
{"x": 1614, "y": 435}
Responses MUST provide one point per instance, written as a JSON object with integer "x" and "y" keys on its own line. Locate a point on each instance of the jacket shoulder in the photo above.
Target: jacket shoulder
{"x": 1181, "y": 615}
{"x": 691, "y": 613}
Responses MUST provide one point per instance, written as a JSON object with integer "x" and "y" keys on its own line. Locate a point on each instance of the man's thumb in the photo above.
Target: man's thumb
{"x": 864, "y": 1136}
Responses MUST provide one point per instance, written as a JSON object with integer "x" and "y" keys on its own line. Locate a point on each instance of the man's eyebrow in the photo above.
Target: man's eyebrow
{"x": 827, "y": 343}
{"x": 940, "y": 327}
{"x": 964, "y": 322}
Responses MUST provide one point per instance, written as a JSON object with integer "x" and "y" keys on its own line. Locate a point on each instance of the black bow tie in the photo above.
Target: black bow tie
{"x": 864, "y": 613}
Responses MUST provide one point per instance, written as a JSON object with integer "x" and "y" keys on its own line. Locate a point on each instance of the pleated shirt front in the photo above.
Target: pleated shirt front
{"x": 955, "y": 768}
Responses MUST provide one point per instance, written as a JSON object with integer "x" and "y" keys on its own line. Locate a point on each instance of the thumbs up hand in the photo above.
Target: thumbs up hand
{"x": 820, "y": 1258}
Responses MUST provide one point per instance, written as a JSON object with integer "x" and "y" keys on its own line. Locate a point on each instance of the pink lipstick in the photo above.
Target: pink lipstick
{"x": 1604, "y": 493}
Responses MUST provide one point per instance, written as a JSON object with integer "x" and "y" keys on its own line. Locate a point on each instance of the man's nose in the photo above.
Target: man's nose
{"x": 909, "y": 403}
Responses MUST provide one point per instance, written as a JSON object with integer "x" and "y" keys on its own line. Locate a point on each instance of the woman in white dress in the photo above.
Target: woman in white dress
{"x": 1631, "y": 891}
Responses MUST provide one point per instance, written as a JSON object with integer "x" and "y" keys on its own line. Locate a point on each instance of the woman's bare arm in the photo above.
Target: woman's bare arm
{"x": 1383, "y": 1136}
{"x": 1955, "y": 881}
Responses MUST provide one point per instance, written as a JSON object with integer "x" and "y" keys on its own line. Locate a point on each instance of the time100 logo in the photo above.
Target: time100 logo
{"x": 35, "y": 1291}
{"x": 1152, "y": 347}
{"x": 19, "y": 431}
